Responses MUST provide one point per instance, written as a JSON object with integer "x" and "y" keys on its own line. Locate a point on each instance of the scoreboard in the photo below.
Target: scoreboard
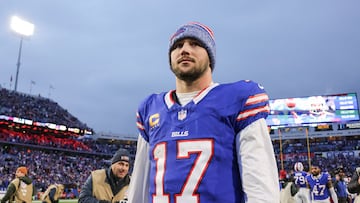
{"x": 302, "y": 111}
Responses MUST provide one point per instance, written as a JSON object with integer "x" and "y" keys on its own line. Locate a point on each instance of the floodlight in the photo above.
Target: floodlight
{"x": 24, "y": 29}
{"x": 21, "y": 26}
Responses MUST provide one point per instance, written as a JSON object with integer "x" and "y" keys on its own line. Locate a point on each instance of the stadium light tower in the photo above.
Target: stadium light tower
{"x": 23, "y": 29}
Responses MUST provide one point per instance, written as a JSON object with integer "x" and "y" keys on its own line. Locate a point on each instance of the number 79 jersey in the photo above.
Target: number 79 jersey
{"x": 300, "y": 179}
{"x": 192, "y": 148}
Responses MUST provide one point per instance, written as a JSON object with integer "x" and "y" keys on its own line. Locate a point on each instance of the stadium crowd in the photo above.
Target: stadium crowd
{"x": 339, "y": 152}
{"x": 36, "y": 108}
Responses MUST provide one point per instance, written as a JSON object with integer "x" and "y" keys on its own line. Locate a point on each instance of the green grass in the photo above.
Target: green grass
{"x": 61, "y": 201}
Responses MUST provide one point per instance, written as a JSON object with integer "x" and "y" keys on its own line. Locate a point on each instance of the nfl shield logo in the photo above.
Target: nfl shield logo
{"x": 182, "y": 114}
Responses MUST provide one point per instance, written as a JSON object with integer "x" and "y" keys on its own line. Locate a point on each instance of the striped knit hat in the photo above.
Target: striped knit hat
{"x": 200, "y": 32}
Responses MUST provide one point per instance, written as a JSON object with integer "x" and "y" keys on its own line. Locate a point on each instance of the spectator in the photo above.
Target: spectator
{"x": 340, "y": 185}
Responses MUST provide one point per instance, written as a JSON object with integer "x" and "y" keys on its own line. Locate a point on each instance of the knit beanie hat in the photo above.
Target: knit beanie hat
{"x": 22, "y": 169}
{"x": 121, "y": 155}
{"x": 200, "y": 32}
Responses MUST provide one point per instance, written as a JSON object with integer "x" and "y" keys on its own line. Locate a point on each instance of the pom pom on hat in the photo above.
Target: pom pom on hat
{"x": 200, "y": 32}
{"x": 22, "y": 169}
{"x": 121, "y": 155}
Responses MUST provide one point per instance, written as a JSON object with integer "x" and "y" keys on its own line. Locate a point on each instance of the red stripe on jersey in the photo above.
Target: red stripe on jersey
{"x": 171, "y": 96}
{"x": 258, "y": 98}
{"x": 251, "y": 112}
{"x": 140, "y": 126}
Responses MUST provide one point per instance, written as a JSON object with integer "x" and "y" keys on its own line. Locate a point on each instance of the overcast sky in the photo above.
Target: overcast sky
{"x": 103, "y": 57}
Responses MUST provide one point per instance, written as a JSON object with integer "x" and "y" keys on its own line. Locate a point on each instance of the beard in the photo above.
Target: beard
{"x": 190, "y": 75}
{"x": 315, "y": 173}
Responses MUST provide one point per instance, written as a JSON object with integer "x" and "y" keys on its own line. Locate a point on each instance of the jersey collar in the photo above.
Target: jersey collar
{"x": 171, "y": 99}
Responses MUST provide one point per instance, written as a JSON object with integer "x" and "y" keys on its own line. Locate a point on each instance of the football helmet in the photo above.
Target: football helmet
{"x": 298, "y": 166}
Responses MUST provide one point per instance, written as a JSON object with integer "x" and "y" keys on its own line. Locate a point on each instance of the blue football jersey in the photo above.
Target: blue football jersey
{"x": 300, "y": 179}
{"x": 318, "y": 186}
{"x": 192, "y": 147}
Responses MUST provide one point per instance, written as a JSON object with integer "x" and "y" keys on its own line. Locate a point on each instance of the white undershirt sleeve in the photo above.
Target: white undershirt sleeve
{"x": 257, "y": 164}
{"x": 139, "y": 181}
{"x": 333, "y": 195}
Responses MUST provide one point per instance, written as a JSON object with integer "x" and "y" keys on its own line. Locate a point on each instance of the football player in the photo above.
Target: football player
{"x": 303, "y": 195}
{"x": 320, "y": 185}
{"x": 203, "y": 142}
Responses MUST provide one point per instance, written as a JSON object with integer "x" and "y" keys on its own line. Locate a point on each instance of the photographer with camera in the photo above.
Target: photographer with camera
{"x": 354, "y": 185}
{"x": 20, "y": 189}
{"x": 108, "y": 185}
{"x": 53, "y": 193}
